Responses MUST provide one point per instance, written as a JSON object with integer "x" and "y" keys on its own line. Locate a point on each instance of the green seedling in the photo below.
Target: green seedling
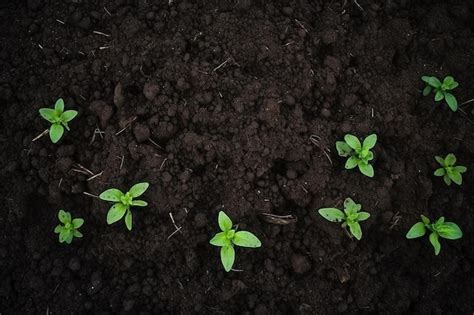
{"x": 359, "y": 154}
{"x": 68, "y": 230}
{"x": 448, "y": 170}
{"x": 441, "y": 90}
{"x": 230, "y": 237}
{"x": 349, "y": 218}
{"x": 58, "y": 118}
{"x": 447, "y": 230}
{"x": 123, "y": 202}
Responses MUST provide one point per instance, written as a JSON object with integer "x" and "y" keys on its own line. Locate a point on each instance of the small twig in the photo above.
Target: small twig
{"x": 357, "y": 3}
{"x": 301, "y": 25}
{"x": 40, "y": 135}
{"x": 84, "y": 169}
{"x": 176, "y": 231}
{"x": 221, "y": 65}
{"x": 163, "y": 163}
{"x": 100, "y": 33}
{"x": 315, "y": 140}
{"x": 155, "y": 144}
{"x": 95, "y": 176}
{"x": 469, "y": 101}
{"x": 107, "y": 11}
{"x": 58, "y": 20}
{"x": 60, "y": 181}
{"x": 126, "y": 126}
{"x": 121, "y": 162}
{"x": 90, "y": 195}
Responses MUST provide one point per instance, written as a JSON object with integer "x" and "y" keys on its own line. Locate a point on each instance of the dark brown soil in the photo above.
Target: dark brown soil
{"x": 219, "y": 100}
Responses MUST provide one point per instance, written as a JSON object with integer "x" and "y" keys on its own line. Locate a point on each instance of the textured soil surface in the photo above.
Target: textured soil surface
{"x": 233, "y": 105}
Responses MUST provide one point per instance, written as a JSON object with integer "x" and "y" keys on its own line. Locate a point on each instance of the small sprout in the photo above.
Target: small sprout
{"x": 58, "y": 118}
{"x": 350, "y": 217}
{"x": 447, "y": 230}
{"x": 123, "y": 202}
{"x": 359, "y": 154}
{"x": 448, "y": 170}
{"x": 441, "y": 90}
{"x": 230, "y": 237}
{"x": 69, "y": 229}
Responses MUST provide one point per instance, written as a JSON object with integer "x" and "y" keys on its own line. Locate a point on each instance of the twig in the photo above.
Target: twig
{"x": 176, "y": 231}
{"x": 163, "y": 163}
{"x": 315, "y": 140}
{"x": 155, "y": 144}
{"x": 58, "y": 20}
{"x": 121, "y": 162}
{"x": 84, "y": 169}
{"x": 463, "y": 103}
{"x": 126, "y": 126}
{"x": 60, "y": 181}
{"x": 90, "y": 195}
{"x": 100, "y": 33}
{"x": 40, "y": 135}
{"x": 301, "y": 25}
{"x": 95, "y": 176}
{"x": 221, "y": 65}
{"x": 107, "y": 11}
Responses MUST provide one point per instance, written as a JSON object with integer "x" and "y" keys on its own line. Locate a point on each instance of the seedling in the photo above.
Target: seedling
{"x": 359, "y": 154}
{"x": 447, "y": 230}
{"x": 448, "y": 170}
{"x": 123, "y": 202}
{"x": 230, "y": 237}
{"x": 349, "y": 218}
{"x": 68, "y": 230}
{"x": 58, "y": 118}
{"x": 441, "y": 90}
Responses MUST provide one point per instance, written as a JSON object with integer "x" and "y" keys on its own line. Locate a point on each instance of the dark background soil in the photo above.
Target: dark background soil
{"x": 219, "y": 100}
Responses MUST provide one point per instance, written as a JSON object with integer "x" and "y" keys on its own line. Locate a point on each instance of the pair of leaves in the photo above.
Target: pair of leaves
{"x": 449, "y": 171}
{"x": 447, "y": 230}
{"x": 228, "y": 238}
{"x": 350, "y": 217}
{"x": 58, "y": 118}
{"x": 123, "y": 202}
{"x": 70, "y": 227}
{"x": 359, "y": 153}
{"x": 440, "y": 89}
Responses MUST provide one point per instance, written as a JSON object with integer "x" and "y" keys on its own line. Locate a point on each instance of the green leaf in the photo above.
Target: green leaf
{"x": 351, "y": 163}
{"x": 69, "y": 238}
{"x": 427, "y": 90}
{"x": 225, "y": 222}
{"x": 48, "y": 114}
{"x": 220, "y": 239}
{"x": 76, "y": 233}
{"x": 451, "y": 101}
{"x": 227, "y": 257}
{"x": 370, "y": 141}
{"x": 447, "y": 180}
{"x": 440, "y": 160}
{"x": 343, "y": 149}
{"x": 59, "y": 105}
{"x": 128, "y": 220}
{"x": 246, "y": 239}
{"x": 68, "y": 115}
{"x": 434, "y": 82}
{"x": 435, "y": 242}
{"x": 448, "y": 80}
{"x": 77, "y": 223}
{"x": 450, "y": 231}
{"x": 353, "y": 142}
{"x": 362, "y": 216}
{"x": 426, "y": 78}
{"x": 450, "y": 159}
{"x": 111, "y": 194}
{"x": 138, "y": 189}
{"x": 424, "y": 219}
{"x": 139, "y": 203}
{"x": 351, "y": 206}
{"x": 58, "y": 229}
{"x": 439, "y": 221}
{"x": 56, "y": 132}
{"x": 354, "y": 227}
{"x": 64, "y": 217}
{"x": 366, "y": 169}
{"x": 461, "y": 169}
{"x": 453, "y": 86}
{"x": 439, "y": 96}
{"x": 455, "y": 177}
{"x": 64, "y": 235}
{"x": 439, "y": 172}
{"x": 116, "y": 212}
{"x": 332, "y": 214}
{"x": 417, "y": 230}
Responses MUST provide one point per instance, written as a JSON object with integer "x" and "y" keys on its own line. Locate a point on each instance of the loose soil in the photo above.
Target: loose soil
{"x": 215, "y": 103}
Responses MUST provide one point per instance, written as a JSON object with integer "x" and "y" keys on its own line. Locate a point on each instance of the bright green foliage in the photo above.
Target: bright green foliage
{"x": 230, "y": 237}
{"x": 441, "y": 90}
{"x": 448, "y": 170}
{"x": 69, "y": 228}
{"x": 350, "y": 217}
{"x": 359, "y": 154}
{"x": 123, "y": 202}
{"x": 58, "y": 118}
{"x": 447, "y": 230}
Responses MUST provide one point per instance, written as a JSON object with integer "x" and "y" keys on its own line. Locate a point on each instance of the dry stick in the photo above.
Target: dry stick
{"x": 100, "y": 33}
{"x": 58, "y": 20}
{"x": 357, "y": 3}
{"x": 315, "y": 140}
{"x": 107, "y": 11}
{"x": 126, "y": 126}
{"x": 177, "y": 229}
{"x": 466, "y": 102}
{"x": 40, "y": 135}
{"x": 221, "y": 65}
{"x": 90, "y": 195}
{"x": 301, "y": 25}
{"x": 60, "y": 181}
{"x": 95, "y": 176}
{"x": 85, "y": 169}
{"x": 155, "y": 144}
{"x": 121, "y": 162}
{"x": 163, "y": 163}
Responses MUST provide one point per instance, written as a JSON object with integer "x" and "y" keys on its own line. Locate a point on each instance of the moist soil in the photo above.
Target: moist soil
{"x": 235, "y": 106}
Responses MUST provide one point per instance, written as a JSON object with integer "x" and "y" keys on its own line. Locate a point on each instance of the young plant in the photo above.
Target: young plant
{"x": 448, "y": 170}
{"x": 230, "y": 237}
{"x": 441, "y": 90}
{"x": 69, "y": 228}
{"x": 447, "y": 230}
{"x": 359, "y": 154}
{"x": 58, "y": 118}
{"x": 123, "y": 202}
{"x": 349, "y": 218}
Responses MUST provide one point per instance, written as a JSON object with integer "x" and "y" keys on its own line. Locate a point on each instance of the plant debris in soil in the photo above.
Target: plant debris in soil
{"x": 235, "y": 106}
